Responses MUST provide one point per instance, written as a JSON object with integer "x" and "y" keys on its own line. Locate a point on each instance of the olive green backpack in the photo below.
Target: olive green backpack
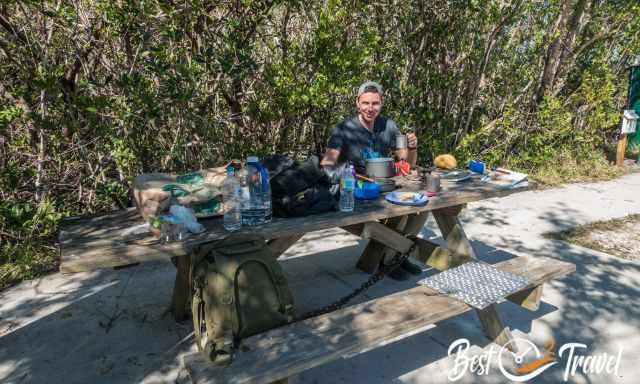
{"x": 239, "y": 290}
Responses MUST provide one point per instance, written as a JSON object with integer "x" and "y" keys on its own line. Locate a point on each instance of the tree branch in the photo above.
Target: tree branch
{"x": 6, "y": 24}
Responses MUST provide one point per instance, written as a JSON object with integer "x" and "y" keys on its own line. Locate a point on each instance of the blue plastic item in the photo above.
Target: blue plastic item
{"x": 367, "y": 191}
{"x": 418, "y": 199}
{"x": 264, "y": 177}
{"x": 476, "y": 166}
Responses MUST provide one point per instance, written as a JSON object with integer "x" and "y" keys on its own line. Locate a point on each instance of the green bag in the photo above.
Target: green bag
{"x": 239, "y": 290}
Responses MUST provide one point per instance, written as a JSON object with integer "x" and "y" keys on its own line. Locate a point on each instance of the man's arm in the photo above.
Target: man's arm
{"x": 336, "y": 142}
{"x": 411, "y": 152}
{"x": 412, "y": 157}
{"x": 412, "y": 144}
{"x": 330, "y": 157}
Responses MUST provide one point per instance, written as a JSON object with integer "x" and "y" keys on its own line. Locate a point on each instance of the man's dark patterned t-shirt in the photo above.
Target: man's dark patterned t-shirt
{"x": 356, "y": 143}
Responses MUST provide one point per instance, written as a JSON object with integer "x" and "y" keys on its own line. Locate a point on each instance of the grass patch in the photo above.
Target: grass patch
{"x": 567, "y": 169}
{"x": 619, "y": 237}
{"x": 27, "y": 240}
{"x": 26, "y": 260}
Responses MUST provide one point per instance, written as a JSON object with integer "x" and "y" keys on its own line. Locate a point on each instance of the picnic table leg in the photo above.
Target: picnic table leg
{"x": 493, "y": 327}
{"x": 375, "y": 251}
{"x": 181, "y": 288}
{"x": 461, "y": 251}
{"x": 529, "y": 298}
{"x": 415, "y": 223}
{"x": 410, "y": 225}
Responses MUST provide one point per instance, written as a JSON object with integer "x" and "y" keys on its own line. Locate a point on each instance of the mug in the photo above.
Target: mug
{"x": 433, "y": 183}
{"x": 401, "y": 141}
{"x": 401, "y": 147}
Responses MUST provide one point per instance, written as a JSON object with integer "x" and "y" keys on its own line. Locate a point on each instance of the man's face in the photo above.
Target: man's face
{"x": 369, "y": 105}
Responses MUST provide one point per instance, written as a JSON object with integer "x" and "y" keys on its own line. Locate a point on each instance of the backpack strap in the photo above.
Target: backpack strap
{"x": 212, "y": 288}
{"x": 227, "y": 268}
{"x": 280, "y": 283}
{"x": 197, "y": 282}
{"x": 198, "y": 313}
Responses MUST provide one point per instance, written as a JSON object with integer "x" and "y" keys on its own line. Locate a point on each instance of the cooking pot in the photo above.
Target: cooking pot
{"x": 380, "y": 167}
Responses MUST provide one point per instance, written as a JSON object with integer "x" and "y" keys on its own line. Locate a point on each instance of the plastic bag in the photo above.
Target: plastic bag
{"x": 185, "y": 216}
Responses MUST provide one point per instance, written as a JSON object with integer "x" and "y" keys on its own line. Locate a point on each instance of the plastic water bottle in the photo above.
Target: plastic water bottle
{"x": 231, "y": 200}
{"x": 256, "y": 200}
{"x": 347, "y": 186}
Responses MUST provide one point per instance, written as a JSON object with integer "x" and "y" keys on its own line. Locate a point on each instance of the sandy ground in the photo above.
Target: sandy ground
{"x": 618, "y": 237}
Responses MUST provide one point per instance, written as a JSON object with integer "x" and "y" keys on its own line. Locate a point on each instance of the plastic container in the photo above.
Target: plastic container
{"x": 367, "y": 191}
{"x": 256, "y": 194}
{"x": 347, "y": 187}
{"x": 476, "y": 166}
{"x": 232, "y": 220}
{"x": 171, "y": 230}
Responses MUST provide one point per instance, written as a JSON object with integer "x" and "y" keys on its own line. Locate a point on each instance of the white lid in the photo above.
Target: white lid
{"x": 252, "y": 159}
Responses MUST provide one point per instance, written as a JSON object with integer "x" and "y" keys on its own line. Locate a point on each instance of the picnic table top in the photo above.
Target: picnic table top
{"x": 100, "y": 242}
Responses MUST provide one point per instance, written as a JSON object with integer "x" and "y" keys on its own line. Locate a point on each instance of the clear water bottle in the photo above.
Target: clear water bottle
{"x": 347, "y": 186}
{"x": 256, "y": 200}
{"x": 231, "y": 199}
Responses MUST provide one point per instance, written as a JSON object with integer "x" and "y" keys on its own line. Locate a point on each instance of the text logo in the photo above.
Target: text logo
{"x": 529, "y": 361}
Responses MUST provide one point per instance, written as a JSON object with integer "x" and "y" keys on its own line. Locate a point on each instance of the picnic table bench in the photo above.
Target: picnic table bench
{"x": 91, "y": 243}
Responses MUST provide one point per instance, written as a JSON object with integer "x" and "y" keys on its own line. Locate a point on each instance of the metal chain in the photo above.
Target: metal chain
{"x": 375, "y": 278}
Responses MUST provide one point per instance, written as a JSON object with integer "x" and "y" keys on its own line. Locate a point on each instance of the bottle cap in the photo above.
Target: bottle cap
{"x": 231, "y": 170}
{"x": 252, "y": 159}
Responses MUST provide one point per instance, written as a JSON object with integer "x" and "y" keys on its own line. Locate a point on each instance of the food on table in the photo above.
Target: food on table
{"x": 445, "y": 161}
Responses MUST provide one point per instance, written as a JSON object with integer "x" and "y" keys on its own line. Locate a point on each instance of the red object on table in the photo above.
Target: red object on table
{"x": 403, "y": 168}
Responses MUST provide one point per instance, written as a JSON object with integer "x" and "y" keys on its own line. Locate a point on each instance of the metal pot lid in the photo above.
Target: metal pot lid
{"x": 380, "y": 160}
{"x": 384, "y": 180}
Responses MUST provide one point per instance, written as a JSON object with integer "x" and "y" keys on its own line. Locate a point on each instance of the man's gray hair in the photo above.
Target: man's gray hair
{"x": 370, "y": 86}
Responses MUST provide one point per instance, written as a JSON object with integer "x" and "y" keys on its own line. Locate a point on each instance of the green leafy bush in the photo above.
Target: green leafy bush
{"x": 94, "y": 93}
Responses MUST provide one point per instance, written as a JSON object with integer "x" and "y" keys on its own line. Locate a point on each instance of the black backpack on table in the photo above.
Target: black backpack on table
{"x": 300, "y": 188}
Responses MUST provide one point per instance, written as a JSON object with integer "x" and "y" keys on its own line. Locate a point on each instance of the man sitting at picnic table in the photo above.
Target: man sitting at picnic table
{"x": 368, "y": 135}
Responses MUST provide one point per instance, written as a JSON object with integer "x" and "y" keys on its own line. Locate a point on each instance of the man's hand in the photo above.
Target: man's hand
{"x": 412, "y": 140}
{"x": 329, "y": 164}
{"x": 333, "y": 173}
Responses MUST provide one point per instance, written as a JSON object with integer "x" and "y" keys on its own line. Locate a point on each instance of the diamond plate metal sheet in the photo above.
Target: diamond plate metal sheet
{"x": 477, "y": 284}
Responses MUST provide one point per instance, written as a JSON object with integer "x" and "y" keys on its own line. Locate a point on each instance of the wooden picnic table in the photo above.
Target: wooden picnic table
{"x": 91, "y": 243}
{"x": 99, "y": 242}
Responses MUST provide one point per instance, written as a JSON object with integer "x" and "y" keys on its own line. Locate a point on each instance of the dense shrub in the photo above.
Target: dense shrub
{"x": 95, "y": 92}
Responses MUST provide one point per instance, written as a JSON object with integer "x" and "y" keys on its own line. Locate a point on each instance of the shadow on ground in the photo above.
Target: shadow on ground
{"x": 113, "y": 326}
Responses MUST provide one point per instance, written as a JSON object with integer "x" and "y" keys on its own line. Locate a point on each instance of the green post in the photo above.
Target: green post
{"x": 633, "y": 102}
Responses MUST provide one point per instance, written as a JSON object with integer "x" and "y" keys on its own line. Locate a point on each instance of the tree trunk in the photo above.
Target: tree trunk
{"x": 554, "y": 52}
{"x": 491, "y": 41}
{"x": 573, "y": 30}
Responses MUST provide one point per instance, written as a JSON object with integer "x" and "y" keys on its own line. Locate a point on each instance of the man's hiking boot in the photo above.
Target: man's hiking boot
{"x": 404, "y": 271}
{"x": 399, "y": 274}
{"x": 411, "y": 268}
